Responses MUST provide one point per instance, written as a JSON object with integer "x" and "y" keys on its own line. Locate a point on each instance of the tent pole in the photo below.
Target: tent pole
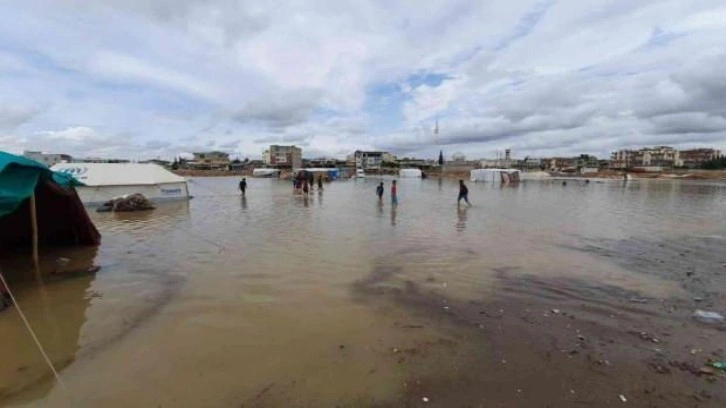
{"x": 34, "y": 224}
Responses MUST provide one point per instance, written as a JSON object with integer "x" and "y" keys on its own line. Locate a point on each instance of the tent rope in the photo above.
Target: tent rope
{"x": 32, "y": 334}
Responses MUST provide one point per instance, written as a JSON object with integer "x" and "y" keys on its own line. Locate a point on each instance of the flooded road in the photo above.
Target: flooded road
{"x": 537, "y": 295}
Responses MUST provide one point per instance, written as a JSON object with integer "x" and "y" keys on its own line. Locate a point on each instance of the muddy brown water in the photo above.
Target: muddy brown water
{"x": 539, "y": 295}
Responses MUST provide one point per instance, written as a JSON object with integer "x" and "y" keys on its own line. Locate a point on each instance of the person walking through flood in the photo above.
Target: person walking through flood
{"x": 243, "y": 185}
{"x": 298, "y": 183}
{"x": 463, "y": 194}
{"x": 379, "y": 192}
{"x": 311, "y": 179}
{"x": 394, "y": 193}
{"x": 320, "y": 182}
{"x": 305, "y": 186}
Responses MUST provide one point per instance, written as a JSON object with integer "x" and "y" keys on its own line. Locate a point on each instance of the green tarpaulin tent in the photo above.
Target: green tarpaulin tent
{"x": 18, "y": 178}
{"x": 61, "y": 216}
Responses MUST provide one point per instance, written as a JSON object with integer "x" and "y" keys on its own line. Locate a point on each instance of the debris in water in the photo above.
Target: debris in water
{"x": 695, "y": 351}
{"x": 647, "y": 337}
{"x": 707, "y": 317}
{"x": 556, "y": 311}
{"x": 706, "y": 371}
{"x": 698, "y": 299}
{"x": 638, "y": 300}
{"x": 659, "y": 368}
{"x": 424, "y": 399}
{"x": 721, "y": 365}
{"x": 622, "y": 398}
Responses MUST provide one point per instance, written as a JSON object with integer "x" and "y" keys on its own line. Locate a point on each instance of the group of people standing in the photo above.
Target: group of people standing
{"x": 304, "y": 181}
{"x": 394, "y": 192}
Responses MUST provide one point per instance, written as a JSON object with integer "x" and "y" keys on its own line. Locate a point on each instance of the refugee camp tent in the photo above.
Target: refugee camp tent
{"x": 266, "y": 173}
{"x": 37, "y": 204}
{"x": 495, "y": 175}
{"x": 104, "y": 181}
{"x": 410, "y": 173}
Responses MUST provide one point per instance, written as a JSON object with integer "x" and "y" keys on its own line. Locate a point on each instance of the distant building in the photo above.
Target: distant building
{"x": 322, "y": 162}
{"x": 283, "y": 157}
{"x": 528, "y": 163}
{"x": 588, "y": 164}
{"x": 214, "y": 160}
{"x": 561, "y": 163}
{"x": 664, "y": 157}
{"x": 99, "y": 160}
{"x": 371, "y": 159}
{"x": 695, "y": 158}
{"x": 159, "y": 162}
{"x": 648, "y": 158}
{"x": 622, "y": 159}
{"x": 47, "y": 159}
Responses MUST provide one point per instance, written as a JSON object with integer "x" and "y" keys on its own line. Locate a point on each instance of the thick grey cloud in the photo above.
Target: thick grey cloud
{"x": 281, "y": 109}
{"x": 13, "y": 116}
{"x": 157, "y": 144}
{"x": 542, "y": 77}
{"x": 229, "y": 145}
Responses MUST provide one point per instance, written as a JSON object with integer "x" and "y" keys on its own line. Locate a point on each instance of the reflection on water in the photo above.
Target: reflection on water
{"x": 194, "y": 298}
{"x": 461, "y": 214}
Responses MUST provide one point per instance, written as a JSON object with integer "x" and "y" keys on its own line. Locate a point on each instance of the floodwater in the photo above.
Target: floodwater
{"x": 538, "y": 295}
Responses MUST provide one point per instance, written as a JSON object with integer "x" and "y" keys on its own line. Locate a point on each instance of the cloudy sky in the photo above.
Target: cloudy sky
{"x": 156, "y": 78}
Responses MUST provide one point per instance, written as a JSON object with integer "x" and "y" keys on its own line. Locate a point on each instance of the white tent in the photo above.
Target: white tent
{"x": 104, "y": 181}
{"x": 266, "y": 173}
{"x": 495, "y": 175}
{"x": 409, "y": 173}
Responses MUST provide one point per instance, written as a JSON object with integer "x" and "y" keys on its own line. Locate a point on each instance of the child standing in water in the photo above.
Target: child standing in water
{"x": 379, "y": 192}
{"x": 394, "y": 193}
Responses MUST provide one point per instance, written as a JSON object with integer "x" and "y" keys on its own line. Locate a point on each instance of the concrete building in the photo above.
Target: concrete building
{"x": 622, "y": 159}
{"x": 283, "y": 157}
{"x": 371, "y": 159}
{"x": 561, "y": 163}
{"x": 648, "y": 158}
{"x": 213, "y": 160}
{"x": 100, "y": 160}
{"x": 47, "y": 159}
{"x": 695, "y": 158}
{"x": 664, "y": 157}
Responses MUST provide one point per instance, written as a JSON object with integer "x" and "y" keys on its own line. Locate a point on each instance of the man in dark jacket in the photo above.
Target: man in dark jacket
{"x": 243, "y": 185}
{"x": 463, "y": 193}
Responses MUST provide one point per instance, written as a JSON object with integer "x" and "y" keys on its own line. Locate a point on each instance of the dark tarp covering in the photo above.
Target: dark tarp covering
{"x": 62, "y": 218}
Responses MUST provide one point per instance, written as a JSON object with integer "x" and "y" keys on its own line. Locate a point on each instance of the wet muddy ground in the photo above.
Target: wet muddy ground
{"x": 537, "y": 296}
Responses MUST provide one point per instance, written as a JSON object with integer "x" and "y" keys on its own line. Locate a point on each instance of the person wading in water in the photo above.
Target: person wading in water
{"x": 394, "y": 193}
{"x": 243, "y": 185}
{"x": 379, "y": 192}
{"x": 463, "y": 194}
